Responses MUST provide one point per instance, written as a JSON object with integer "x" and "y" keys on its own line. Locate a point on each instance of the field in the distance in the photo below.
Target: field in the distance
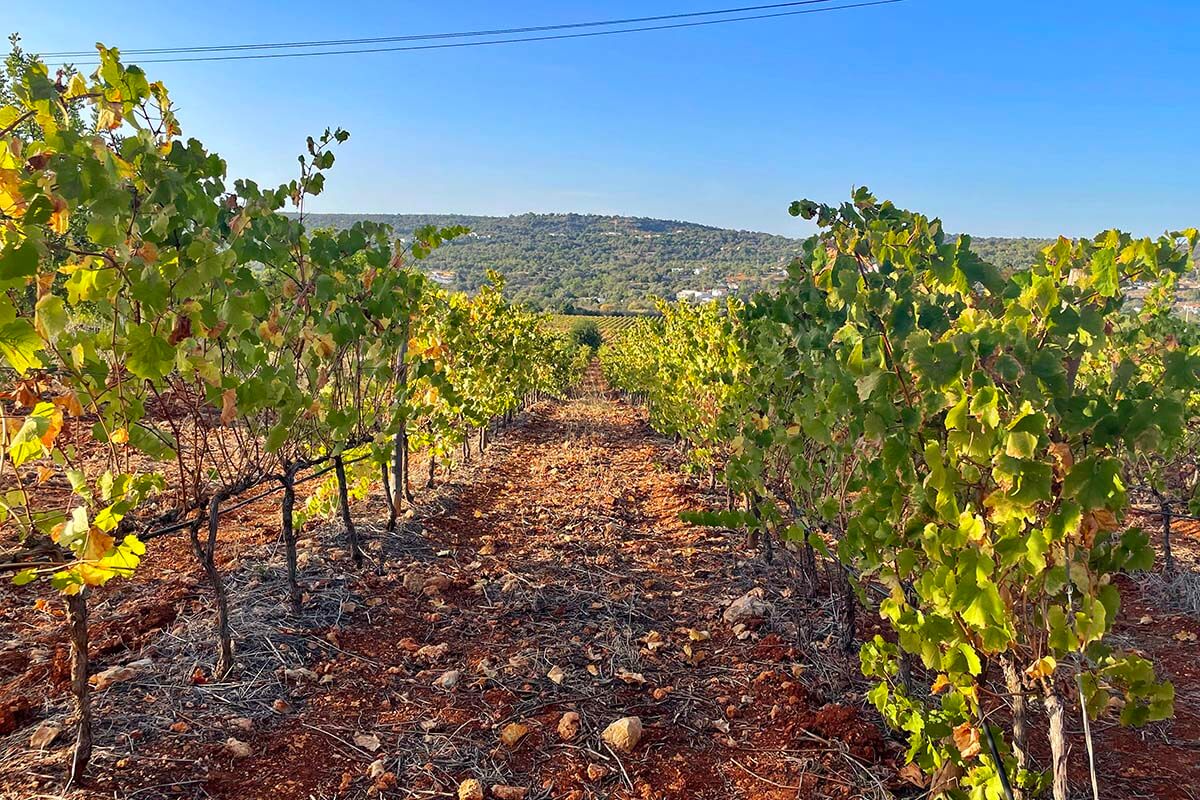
{"x": 609, "y": 325}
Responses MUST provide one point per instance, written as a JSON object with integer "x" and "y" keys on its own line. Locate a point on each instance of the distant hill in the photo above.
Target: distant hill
{"x": 1008, "y": 254}
{"x": 559, "y": 261}
{"x": 590, "y": 261}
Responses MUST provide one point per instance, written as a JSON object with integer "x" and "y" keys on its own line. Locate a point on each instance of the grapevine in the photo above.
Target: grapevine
{"x": 176, "y": 341}
{"x": 962, "y": 441}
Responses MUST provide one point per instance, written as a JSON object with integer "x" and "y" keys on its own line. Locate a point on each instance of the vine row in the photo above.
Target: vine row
{"x": 173, "y": 341}
{"x": 961, "y": 443}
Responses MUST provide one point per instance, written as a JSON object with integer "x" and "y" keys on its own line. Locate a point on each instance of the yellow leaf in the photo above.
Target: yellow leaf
{"x": 228, "y": 406}
{"x": 148, "y": 252}
{"x": 12, "y": 200}
{"x": 1105, "y": 519}
{"x": 324, "y": 346}
{"x": 940, "y": 684}
{"x": 53, "y": 429}
{"x": 108, "y": 116}
{"x": 966, "y": 739}
{"x": 45, "y": 281}
{"x": 28, "y": 394}
{"x": 96, "y": 545}
{"x": 1088, "y": 527}
{"x": 119, "y": 436}
{"x": 912, "y": 773}
{"x": 69, "y": 403}
{"x": 1062, "y": 455}
{"x": 93, "y": 575}
{"x": 239, "y": 224}
{"x": 60, "y": 218}
{"x": 1042, "y": 668}
{"x": 77, "y": 86}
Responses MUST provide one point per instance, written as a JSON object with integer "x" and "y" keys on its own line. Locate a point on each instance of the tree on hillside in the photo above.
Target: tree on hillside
{"x": 587, "y": 332}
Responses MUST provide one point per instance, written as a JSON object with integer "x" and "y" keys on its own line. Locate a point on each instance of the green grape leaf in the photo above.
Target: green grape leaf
{"x": 18, "y": 263}
{"x": 149, "y": 356}
{"x": 20, "y": 344}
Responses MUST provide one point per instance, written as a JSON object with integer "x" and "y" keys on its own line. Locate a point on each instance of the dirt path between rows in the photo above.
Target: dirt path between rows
{"x": 552, "y": 577}
{"x": 559, "y": 578}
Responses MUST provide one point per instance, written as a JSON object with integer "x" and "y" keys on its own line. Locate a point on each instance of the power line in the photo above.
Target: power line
{"x": 428, "y": 36}
{"x": 451, "y": 45}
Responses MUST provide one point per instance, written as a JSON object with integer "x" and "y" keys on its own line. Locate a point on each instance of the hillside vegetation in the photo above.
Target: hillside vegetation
{"x": 590, "y": 261}
{"x": 558, "y": 261}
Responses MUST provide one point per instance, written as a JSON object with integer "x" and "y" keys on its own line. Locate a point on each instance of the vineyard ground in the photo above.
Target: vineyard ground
{"x": 561, "y": 547}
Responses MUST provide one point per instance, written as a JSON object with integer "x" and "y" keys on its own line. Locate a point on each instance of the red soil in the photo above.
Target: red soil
{"x": 562, "y": 548}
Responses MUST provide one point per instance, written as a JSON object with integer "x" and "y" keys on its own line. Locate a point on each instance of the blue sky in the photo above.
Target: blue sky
{"x": 1004, "y": 118}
